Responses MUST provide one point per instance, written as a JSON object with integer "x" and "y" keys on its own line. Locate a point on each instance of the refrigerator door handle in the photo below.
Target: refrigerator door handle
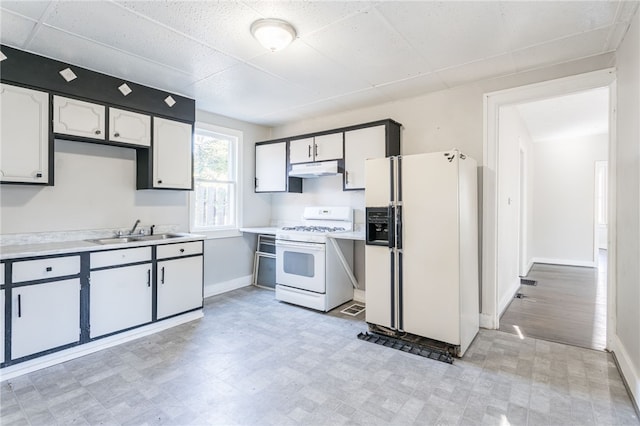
{"x": 392, "y": 289}
{"x": 398, "y": 229}
{"x": 391, "y": 226}
{"x": 400, "y": 295}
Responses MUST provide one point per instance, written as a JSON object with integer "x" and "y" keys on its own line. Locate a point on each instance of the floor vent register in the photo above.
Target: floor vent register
{"x": 525, "y": 281}
{"x": 412, "y": 348}
{"x": 353, "y": 310}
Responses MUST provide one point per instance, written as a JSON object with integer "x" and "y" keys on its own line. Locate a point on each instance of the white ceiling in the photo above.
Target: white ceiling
{"x": 348, "y": 54}
{"x": 567, "y": 117}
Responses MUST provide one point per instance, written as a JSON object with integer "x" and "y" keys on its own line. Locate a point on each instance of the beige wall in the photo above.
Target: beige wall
{"x": 628, "y": 208}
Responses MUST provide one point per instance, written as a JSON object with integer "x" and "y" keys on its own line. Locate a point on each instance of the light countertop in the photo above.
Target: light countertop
{"x": 65, "y": 247}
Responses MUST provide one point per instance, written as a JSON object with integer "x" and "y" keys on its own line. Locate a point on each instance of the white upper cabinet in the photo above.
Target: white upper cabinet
{"x": 360, "y": 145}
{"x": 78, "y": 118}
{"x": 301, "y": 150}
{"x": 318, "y": 148}
{"x": 24, "y": 135}
{"x": 271, "y": 167}
{"x": 172, "y": 154}
{"x": 129, "y": 127}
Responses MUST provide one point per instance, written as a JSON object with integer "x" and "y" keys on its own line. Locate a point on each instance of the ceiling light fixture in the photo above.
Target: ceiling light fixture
{"x": 274, "y": 34}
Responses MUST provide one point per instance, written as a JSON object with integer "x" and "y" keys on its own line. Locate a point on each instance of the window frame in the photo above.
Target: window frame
{"x": 226, "y": 230}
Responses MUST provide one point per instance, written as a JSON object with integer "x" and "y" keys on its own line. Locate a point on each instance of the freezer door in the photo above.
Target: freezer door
{"x": 430, "y": 285}
{"x": 378, "y": 182}
{"x": 379, "y": 286}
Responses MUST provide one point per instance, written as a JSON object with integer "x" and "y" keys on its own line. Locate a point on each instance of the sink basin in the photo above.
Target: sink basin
{"x": 156, "y": 237}
{"x": 115, "y": 240}
{"x": 134, "y": 238}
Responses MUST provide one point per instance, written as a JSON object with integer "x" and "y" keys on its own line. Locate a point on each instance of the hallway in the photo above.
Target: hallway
{"x": 568, "y": 305}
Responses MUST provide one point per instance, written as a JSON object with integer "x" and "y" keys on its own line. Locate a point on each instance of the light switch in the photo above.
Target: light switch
{"x": 169, "y": 101}
{"x": 125, "y": 89}
{"x": 2, "y": 57}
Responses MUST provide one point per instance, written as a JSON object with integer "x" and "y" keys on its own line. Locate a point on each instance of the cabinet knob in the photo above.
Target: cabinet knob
{"x": 98, "y": 132}
{"x": 116, "y": 135}
{"x": 159, "y": 181}
{"x": 49, "y": 269}
{"x": 38, "y": 175}
{"x": 181, "y": 250}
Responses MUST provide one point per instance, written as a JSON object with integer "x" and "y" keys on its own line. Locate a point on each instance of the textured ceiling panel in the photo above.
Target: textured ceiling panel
{"x": 348, "y": 54}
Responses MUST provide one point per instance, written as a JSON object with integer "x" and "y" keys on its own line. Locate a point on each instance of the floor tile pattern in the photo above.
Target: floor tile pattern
{"x": 254, "y": 361}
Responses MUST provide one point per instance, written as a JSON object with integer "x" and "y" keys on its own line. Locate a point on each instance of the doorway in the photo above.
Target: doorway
{"x": 510, "y": 215}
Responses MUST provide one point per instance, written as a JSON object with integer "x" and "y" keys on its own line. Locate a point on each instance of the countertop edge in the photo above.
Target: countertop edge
{"x": 81, "y": 246}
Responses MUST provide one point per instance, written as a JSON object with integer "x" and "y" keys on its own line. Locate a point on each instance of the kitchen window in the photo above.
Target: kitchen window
{"x": 215, "y": 198}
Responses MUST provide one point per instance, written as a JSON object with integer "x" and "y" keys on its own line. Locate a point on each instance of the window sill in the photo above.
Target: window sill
{"x": 222, "y": 233}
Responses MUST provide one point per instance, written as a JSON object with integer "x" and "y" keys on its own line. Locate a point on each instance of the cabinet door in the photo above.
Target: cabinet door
{"x": 172, "y": 154}
{"x": 2, "y": 324}
{"x": 129, "y": 127}
{"x": 301, "y": 150}
{"x": 45, "y": 316}
{"x": 179, "y": 285}
{"x": 328, "y": 147}
{"x": 78, "y": 118}
{"x": 120, "y": 298}
{"x": 360, "y": 145}
{"x": 271, "y": 167}
{"x": 24, "y": 135}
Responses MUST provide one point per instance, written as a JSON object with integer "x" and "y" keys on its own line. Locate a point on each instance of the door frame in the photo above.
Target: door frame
{"x": 490, "y": 315}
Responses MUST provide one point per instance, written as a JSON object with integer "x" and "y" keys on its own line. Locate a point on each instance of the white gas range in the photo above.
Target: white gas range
{"x": 312, "y": 270}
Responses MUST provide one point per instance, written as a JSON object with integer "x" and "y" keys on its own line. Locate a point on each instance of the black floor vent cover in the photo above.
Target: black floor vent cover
{"x": 409, "y": 347}
{"x": 525, "y": 281}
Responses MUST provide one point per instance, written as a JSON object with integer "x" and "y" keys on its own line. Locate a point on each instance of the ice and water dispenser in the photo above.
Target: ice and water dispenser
{"x": 379, "y": 226}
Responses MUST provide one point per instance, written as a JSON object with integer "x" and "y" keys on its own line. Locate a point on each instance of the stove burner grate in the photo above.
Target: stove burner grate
{"x": 304, "y": 228}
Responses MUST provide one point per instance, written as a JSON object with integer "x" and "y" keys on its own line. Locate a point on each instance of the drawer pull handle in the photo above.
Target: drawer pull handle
{"x": 162, "y": 278}
{"x": 148, "y": 277}
{"x": 98, "y": 132}
{"x": 116, "y": 134}
{"x": 181, "y": 250}
{"x": 49, "y": 269}
{"x": 19, "y": 306}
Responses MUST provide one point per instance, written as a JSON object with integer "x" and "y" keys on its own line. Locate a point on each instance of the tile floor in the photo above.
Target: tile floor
{"x": 254, "y": 361}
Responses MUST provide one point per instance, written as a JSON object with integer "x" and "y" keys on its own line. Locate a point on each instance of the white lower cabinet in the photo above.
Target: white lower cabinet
{"x": 2, "y": 324}
{"x": 179, "y": 285}
{"x": 44, "y": 316}
{"x": 120, "y": 298}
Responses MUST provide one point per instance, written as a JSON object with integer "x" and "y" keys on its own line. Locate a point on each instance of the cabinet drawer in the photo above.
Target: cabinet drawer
{"x": 101, "y": 259}
{"x": 38, "y": 269}
{"x": 180, "y": 249}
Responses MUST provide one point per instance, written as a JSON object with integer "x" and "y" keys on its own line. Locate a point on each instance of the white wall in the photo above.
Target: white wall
{"x": 95, "y": 188}
{"x": 513, "y": 136}
{"x": 627, "y": 339}
{"x": 564, "y": 199}
{"x": 439, "y": 121}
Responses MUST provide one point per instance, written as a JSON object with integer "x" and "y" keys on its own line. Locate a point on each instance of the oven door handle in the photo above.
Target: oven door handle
{"x": 300, "y": 245}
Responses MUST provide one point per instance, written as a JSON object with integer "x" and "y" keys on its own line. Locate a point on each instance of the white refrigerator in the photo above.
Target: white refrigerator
{"x": 421, "y": 252}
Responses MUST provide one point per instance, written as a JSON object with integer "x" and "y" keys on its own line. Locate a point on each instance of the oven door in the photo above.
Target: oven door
{"x": 300, "y": 265}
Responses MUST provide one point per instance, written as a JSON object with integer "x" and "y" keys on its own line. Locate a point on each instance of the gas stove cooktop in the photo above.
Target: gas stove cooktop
{"x": 307, "y": 228}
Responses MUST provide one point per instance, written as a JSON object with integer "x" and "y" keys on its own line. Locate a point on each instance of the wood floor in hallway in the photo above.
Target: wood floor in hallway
{"x": 568, "y": 305}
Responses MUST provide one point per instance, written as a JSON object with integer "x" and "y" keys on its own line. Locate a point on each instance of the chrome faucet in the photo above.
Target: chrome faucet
{"x": 134, "y": 227}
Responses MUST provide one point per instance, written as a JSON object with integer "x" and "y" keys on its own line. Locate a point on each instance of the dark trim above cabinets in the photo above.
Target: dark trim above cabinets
{"x": 37, "y": 72}
{"x": 101, "y": 93}
{"x": 390, "y": 147}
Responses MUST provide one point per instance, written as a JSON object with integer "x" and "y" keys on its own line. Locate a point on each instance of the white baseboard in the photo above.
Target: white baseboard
{"x": 627, "y": 369}
{"x": 359, "y": 296}
{"x": 95, "y": 346}
{"x": 565, "y": 262}
{"x": 225, "y": 286}
{"x": 507, "y": 298}
{"x": 488, "y": 321}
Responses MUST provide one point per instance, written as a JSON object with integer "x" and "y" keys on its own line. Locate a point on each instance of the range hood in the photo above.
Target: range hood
{"x": 314, "y": 170}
